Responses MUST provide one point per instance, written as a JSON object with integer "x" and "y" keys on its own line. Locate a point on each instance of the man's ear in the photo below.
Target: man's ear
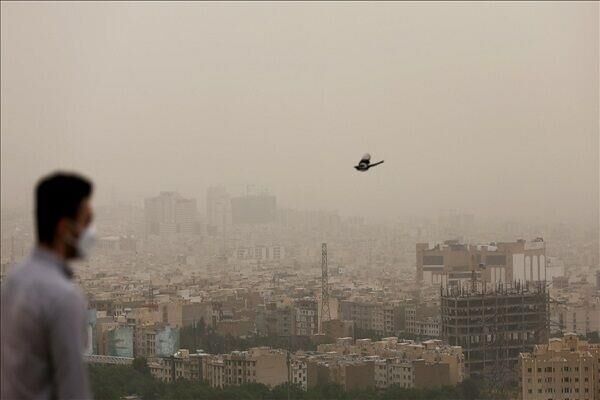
{"x": 62, "y": 228}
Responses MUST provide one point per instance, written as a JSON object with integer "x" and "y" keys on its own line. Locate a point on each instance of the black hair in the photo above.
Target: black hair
{"x": 58, "y": 196}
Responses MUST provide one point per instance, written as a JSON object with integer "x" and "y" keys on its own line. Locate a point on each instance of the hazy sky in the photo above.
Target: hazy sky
{"x": 490, "y": 108}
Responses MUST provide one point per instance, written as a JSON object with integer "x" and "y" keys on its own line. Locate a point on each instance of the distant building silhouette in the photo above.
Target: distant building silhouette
{"x": 170, "y": 214}
{"x": 254, "y": 209}
{"x": 218, "y": 210}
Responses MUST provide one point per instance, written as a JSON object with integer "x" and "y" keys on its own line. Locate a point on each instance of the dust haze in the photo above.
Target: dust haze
{"x": 487, "y": 108}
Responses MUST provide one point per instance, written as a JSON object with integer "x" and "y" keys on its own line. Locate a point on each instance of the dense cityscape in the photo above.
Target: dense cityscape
{"x": 299, "y": 200}
{"x": 230, "y": 294}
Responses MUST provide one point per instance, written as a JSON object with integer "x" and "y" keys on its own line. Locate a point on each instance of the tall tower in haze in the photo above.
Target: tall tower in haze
{"x": 218, "y": 210}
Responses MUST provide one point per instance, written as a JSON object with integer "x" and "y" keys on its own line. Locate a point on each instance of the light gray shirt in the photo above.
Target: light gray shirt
{"x": 42, "y": 332}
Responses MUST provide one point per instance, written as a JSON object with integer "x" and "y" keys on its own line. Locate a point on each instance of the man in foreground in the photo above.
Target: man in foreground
{"x": 43, "y": 313}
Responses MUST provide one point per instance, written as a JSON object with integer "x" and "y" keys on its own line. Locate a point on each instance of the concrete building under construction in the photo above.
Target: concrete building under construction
{"x": 493, "y": 324}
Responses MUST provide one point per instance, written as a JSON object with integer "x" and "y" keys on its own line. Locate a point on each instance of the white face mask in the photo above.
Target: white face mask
{"x": 86, "y": 242}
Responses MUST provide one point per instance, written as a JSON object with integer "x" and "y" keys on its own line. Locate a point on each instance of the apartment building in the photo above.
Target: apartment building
{"x": 367, "y": 316}
{"x": 393, "y": 371}
{"x": 261, "y": 253}
{"x": 214, "y": 371}
{"x": 306, "y": 316}
{"x": 156, "y": 340}
{"x": 421, "y": 320}
{"x": 181, "y": 365}
{"x": 350, "y": 372}
{"x": 566, "y": 368}
{"x": 273, "y": 319}
{"x": 576, "y": 314}
{"x": 299, "y": 371}
{"x": 336, "y": 328}
{"x": 257, "y": 365}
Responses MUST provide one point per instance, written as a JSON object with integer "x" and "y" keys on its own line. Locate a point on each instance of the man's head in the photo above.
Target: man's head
{"x": 63, "y": 212}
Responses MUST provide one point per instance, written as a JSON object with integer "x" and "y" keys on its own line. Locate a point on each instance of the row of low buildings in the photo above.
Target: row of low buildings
{"x": 138, "y": 329}
{"x": 404, "y": 362}
{"x": 284, "y": 317}
{"x": 257, "y": 365}
{"x": 392, "y": 318}
{"x": 564, "y": 368}
{"x": 120, "y": 337}
{"x": 352, "y": 365}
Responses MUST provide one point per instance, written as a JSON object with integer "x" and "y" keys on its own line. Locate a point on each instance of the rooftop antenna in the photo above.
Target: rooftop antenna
{"x": 325, "y": 311}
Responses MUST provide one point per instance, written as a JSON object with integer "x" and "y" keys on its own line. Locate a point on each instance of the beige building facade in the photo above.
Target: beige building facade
{"x": 564, "y": 369}
{"x": 451, "y": 262}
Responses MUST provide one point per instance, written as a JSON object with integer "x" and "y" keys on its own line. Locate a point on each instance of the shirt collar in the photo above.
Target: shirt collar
{"x": 46, "y": 255}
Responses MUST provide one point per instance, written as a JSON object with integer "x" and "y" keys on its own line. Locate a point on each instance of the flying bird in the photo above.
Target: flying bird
{"x": 365, "y": 163}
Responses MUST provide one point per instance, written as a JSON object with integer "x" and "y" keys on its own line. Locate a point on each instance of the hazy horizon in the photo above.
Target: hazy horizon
{"x": 486, "y": 108}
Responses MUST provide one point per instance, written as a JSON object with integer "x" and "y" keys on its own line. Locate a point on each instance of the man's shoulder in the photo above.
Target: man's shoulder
{"x": 46, "y": 281}
{"x": 36, "y": 271}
